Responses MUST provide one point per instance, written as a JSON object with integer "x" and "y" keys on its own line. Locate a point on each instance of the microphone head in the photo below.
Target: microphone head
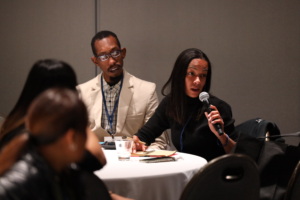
{"x": 203, "y": 96}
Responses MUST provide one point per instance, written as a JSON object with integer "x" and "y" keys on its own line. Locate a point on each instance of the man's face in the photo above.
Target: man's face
{"x": 112, "y": 68}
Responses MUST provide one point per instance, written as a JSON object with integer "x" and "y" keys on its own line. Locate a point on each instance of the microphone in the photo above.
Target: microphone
{"x": 204, "y": 96}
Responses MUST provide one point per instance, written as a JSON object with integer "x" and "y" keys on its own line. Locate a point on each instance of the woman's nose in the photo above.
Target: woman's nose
{"x": 197, "y": 80}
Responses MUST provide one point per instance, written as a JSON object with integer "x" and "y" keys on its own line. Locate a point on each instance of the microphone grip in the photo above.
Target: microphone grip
{"x": 219, "y": 129}
{"x": 217, "y": 126}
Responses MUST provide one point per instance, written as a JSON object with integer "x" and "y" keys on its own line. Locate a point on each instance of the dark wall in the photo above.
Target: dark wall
{"x": 33, "y": 30}
{"x": 253, "y": 45}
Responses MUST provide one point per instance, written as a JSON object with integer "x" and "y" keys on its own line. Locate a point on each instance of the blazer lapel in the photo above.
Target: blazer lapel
{"x": 96, "y": 95}
{"x": 124, "y": 102}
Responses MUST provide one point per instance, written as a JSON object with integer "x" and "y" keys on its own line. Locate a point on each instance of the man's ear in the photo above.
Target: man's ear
{"x": 123, "y": 53}
{"x": 94, "y": 60}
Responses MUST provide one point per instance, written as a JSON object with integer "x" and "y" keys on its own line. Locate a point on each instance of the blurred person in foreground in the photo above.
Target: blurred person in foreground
{"x": 45, "y": 74}
{"x": 119, "y": 103}
{"x": 192, "y": 129}
{"x": 57, "y": 122}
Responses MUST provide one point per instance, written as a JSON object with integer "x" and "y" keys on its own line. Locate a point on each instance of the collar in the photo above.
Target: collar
{"x": 107, "y": 87}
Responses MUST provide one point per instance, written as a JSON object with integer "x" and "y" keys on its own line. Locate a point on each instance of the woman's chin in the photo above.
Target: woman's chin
{"x": 193, "y": 94}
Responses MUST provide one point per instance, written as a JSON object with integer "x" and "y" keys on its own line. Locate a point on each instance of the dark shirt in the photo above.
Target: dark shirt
{"x": 197, "y": 138}
{"x": 89, "y": 161}
{"x": 31, "y": 178}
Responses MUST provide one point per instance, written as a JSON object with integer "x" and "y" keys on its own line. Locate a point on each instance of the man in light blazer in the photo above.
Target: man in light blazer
{"x": 119, "y": 103}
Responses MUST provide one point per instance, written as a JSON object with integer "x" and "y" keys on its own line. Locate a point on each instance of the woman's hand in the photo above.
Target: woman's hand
{"x": 138, "y": 145}
{"x": 214, "y": 117}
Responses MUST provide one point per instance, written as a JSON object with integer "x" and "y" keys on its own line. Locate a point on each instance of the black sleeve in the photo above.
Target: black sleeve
{"x": 90, "y": 162}
{"x": 156, "y": 125}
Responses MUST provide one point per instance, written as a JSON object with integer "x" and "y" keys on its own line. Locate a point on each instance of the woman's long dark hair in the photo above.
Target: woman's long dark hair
{"x": 53, "y": 113}
{"x": 175, "y": 86}
{"x": 43, "y": 75}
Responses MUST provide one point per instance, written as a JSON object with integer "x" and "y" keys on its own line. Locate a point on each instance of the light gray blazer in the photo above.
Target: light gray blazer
{"x": 137, "y": 103}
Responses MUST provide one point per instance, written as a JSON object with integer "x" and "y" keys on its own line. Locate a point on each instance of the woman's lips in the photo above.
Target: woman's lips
{"x": 195, "y": 89}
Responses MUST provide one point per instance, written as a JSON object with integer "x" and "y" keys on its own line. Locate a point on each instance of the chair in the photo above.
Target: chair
{"x": 228, "y": 177}
{"x": 260, "y": 128}
{"x": 293, "y": 191}
{"x": 276, "y": 162}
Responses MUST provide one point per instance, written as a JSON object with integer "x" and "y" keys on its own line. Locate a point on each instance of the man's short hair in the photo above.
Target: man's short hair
{"x": 103, "y": 34}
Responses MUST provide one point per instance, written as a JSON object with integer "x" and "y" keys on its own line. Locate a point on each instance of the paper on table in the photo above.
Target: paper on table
{"x": 156, "y": 153}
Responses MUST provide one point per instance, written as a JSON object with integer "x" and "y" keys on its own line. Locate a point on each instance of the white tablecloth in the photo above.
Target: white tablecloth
{"x": 149, "y": 181}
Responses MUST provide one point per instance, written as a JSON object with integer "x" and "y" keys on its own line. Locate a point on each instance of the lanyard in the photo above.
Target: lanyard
{"x": 110, "y": 117}
{"x": 182, "y": 131}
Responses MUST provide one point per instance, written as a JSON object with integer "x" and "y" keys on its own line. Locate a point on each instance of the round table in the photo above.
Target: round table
{"x": 149, "y": 181}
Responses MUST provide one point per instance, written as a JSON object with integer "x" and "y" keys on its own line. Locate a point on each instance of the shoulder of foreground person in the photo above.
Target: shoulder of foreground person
{"x": 27, "y": 175}
{"x": 12, "y": 151}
